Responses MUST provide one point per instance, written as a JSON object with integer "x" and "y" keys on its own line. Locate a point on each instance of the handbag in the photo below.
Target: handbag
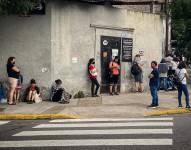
{"x": 178, "y": 81}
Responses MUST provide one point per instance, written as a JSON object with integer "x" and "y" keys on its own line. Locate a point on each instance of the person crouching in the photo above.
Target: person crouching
{"x": 58, "y": 93}
{"x": 32, "y": 92}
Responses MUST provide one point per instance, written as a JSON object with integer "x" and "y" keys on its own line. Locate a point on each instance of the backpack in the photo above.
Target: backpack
{"x": 135, "y": 69}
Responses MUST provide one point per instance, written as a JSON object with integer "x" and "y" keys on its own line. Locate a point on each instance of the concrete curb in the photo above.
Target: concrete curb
{"x": 169, "y": 112}
{"x": 37, "y": 116}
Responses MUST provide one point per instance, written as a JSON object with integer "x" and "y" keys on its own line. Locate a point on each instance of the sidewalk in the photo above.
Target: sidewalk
{"x": 122, "y": 106}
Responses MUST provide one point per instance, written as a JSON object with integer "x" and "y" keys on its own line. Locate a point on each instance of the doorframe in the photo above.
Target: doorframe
{"x": 120, "y": 61}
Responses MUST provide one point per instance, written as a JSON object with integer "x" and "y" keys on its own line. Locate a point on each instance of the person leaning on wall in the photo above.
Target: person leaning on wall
{"x": 92, "y": 72}
{"x": 13, "y": 76}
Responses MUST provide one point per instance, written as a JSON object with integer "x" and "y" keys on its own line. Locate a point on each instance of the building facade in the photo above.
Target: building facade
{"x": 60, "y": 43}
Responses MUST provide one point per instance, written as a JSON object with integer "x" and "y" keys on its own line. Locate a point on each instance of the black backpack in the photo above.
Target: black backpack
{"x": 135, "y": 69}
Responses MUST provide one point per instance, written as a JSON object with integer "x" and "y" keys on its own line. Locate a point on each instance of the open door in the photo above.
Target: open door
{"x": 110, "y": 47}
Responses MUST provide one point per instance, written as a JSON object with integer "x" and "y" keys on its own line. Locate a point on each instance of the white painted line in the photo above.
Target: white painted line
{"x": 127, "y": 124}
{"x": 4, "y": 122}
{"x": 112, "y": 119}
{"x": 95, "y": 132}
{"x": 92, "y": 142}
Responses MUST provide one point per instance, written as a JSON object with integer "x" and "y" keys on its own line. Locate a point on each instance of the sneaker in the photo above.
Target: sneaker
{"x": 30, "y": 102}
{"x": 152, "y": 106}
{"x": 111, "y": 94}
{"x": 188, "y": 107}
{"x": 116, "y": 93}
{"x": 180, "y": 106}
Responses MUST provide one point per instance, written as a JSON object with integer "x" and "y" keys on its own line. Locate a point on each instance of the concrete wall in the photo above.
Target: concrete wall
{"x": 27, "y": 39}
{"x": 62, "y": 42}
{"x": 72, "y": 37}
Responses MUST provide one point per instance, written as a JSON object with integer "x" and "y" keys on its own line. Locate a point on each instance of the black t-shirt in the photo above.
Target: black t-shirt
{"x": 154, "y": 81}
{"x": 11, "y": 73}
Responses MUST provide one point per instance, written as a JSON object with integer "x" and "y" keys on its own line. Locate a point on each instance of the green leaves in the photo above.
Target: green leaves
{"x": 181, "y": 26}
{"x": 21, "y": 7}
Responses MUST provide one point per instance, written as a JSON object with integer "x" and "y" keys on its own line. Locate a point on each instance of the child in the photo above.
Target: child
{"x": 153, "y": 83}
{"x": 18, "y": 89}
{"x": 32, "y": 92}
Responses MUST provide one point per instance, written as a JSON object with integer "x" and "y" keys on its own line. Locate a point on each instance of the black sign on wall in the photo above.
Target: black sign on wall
{"x": 127, "y": 47}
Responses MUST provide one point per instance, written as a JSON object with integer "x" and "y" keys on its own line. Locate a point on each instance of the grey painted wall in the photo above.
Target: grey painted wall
{"x": 62, "y": 42}
{"x": 73, "y": 37}
{"x": 27, "y": 39}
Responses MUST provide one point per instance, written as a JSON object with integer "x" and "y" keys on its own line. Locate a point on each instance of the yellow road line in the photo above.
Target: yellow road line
{"x": 169, "y": 112}
{"x": 37, "y": 116}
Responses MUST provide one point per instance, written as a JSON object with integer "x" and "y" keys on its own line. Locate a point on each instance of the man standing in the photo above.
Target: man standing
{"x": 153, "y": 83}
{"x": 163, "y": 70}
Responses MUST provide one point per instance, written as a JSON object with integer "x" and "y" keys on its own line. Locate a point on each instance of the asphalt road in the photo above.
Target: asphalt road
{"x": 163, "y": 133}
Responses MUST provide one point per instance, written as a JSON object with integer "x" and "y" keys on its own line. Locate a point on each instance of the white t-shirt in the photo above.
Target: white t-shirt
{"x": 181, "y": 74}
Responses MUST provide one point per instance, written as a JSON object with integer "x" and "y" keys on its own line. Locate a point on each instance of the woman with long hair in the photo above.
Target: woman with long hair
{"x": 114, "y": 75}
{"x": 93, "y": 77}
{"x": 13, "y": 76}
{"x": 182, "y": 84}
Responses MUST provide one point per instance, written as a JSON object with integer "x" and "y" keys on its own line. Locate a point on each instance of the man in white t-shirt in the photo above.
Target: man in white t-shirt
{"x": 182, "y": 75}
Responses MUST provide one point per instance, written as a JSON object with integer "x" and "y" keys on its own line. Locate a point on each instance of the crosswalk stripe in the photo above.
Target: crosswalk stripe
{"x": 92, "y": 142}
{"x": 128, "y": 124}
{"x": 4, "y": 122}
{"x": 111, "y": 119}
{"x": 95, "y": 132}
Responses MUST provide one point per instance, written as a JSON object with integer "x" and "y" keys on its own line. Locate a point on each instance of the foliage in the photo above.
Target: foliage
{"x": 21, "y": 7}
{"x": 181, "y": 27}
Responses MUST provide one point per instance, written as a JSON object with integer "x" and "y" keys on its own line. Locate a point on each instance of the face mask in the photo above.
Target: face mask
{"x": 13, "y": 63}
{"x": 93, "y": 62}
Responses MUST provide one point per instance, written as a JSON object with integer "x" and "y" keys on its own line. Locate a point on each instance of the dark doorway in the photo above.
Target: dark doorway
{"x": 110, "y": 47}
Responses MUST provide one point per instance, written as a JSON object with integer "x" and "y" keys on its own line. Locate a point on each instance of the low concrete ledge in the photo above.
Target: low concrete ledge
{"x": 169, "y": 112}
{"x": 37, "y": 116}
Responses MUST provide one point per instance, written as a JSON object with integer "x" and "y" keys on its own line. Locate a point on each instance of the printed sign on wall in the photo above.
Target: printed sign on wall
{"x": 127, "y": 47}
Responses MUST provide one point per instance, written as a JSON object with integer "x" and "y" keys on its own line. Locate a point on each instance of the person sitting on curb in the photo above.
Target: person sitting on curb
{"x": 32, "y": 92}
{"x": 58, "y": 93}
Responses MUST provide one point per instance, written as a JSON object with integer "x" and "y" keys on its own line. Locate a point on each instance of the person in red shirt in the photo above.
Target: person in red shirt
{"x": 93, "y": 77}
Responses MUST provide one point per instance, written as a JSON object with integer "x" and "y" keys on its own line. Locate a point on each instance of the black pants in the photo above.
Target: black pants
{"x": 94, "y": 83}
{"x": 57, "y": 96}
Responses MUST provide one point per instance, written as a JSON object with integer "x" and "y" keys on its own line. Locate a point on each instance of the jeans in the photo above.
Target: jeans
{"x": 163, "y": 83}
{"x": 183, "y": 88}
{"x": 154, "y": 95}
{"x": 94, "y": 83}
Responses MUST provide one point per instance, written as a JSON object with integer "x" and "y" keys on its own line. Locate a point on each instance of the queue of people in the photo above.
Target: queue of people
{"x": 169, "y": 74}
{"x": 32, "y": 92}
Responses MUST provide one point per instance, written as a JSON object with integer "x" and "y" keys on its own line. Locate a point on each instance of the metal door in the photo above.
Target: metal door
{"x": 110, "y": 47}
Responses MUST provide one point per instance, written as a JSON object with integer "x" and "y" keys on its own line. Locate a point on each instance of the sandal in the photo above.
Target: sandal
{"x": 11, "y": 103}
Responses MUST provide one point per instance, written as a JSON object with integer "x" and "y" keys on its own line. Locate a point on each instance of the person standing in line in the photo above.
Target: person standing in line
{"x": 163, "y": 70}
{"x": 18, "y": 89}
{"x": 182, "y": 85}
{"x": 114, "y": 75}
{"x": 153, "y": 83}
{"x": 137, "y": 71}
{"x": 13, "y": 76}
{"x": 93, "y": 77}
